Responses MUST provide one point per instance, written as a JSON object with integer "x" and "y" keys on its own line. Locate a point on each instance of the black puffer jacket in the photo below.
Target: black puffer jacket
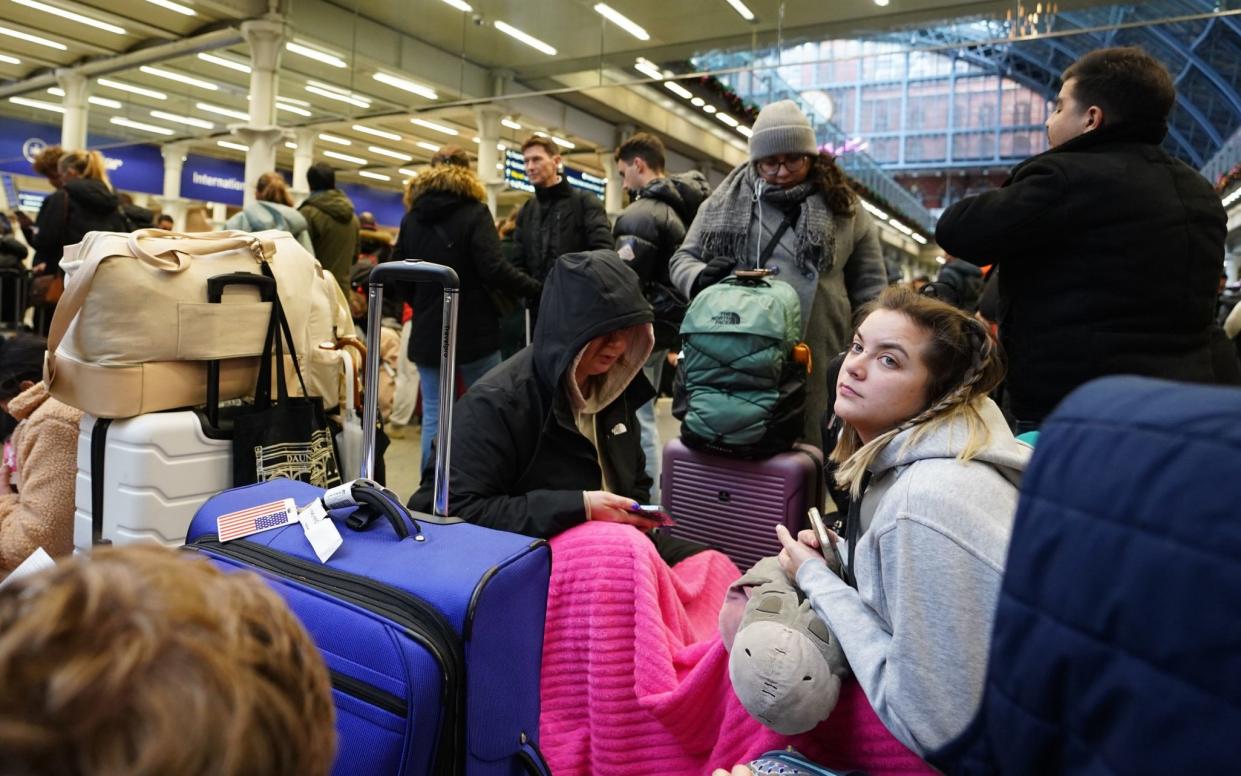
{"x": 519, "y": 462}
{"x": 650, "y": 230}
{"x": 559, "y": 220}
{"x": 1110, "y": 254}
{"x": 82, "y": 205}
{"x": 449, "y": 224}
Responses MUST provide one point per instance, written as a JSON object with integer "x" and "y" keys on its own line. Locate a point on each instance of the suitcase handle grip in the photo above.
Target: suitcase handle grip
{"x": 215, "y": 295}
{"x": 415, "y": 271}
{"x": 372, "y": 503}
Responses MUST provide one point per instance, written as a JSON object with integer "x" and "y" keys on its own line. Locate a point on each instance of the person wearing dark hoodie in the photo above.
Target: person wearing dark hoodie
{"x": 960, "y": 284}
{"x": 559, "y": 220}
{"x": 333, "y": 227}
{"x": 84, "y": 203}
{"x": 933, "y": 472}
{"x": 548, "y": 440}
{"x": 136, "y": 216}
{"x": 448, "y": 223}
{"x": 647, "y": 233}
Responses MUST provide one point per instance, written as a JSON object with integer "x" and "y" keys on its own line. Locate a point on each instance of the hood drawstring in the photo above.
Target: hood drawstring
{"x": 758, "y": 245}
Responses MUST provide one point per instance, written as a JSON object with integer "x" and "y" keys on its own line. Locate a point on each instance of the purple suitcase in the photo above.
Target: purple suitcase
{"x": 733, "y": 504}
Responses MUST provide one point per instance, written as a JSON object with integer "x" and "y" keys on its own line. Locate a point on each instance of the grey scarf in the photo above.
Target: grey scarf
{"x": 726, "y": 220}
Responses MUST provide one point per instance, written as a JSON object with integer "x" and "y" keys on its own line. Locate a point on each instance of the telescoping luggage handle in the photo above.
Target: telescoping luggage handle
{"x": 215, "y": 294}
{"x": 412, "y": 271}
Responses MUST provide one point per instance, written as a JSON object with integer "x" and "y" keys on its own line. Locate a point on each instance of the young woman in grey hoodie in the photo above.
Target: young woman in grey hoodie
{"x": 934, "y": 471}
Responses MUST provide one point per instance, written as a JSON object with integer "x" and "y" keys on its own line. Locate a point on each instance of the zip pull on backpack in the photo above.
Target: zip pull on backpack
{"x": 741, "y": 383}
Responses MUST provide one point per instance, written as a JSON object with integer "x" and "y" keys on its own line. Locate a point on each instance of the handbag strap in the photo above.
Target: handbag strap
{"x": 853, "y": 530}
{"x": 278, "y": 334}
{"x": 94, "y": 249}
{"x": 775, "y": 239}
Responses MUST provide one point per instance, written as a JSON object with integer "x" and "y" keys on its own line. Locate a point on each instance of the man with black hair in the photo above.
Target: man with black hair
{"x": 647, "y": 233}
{"x": 1110, "y": 248}
{"x": 559, "y": 219}
{"x": 333, "y": 226}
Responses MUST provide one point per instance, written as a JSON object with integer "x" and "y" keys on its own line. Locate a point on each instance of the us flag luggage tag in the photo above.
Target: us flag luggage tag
{"x": 264, "y": 517}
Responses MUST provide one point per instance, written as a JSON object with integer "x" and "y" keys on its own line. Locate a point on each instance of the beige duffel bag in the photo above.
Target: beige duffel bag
{"x": 133, "y": 331}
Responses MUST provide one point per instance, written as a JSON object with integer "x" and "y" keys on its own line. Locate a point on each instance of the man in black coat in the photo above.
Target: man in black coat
{"x": 1110, "y": 250}
{"x": 647, "y": 233}
{"x": 559, "y": 220}
{"x": 548, "y": 440}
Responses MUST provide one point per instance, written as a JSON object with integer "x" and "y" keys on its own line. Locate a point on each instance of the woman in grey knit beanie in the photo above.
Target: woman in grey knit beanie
{"x": 829, "y": 251}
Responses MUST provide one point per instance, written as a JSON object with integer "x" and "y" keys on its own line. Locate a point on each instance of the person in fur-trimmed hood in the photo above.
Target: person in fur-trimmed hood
{"x": 448, "y": 223}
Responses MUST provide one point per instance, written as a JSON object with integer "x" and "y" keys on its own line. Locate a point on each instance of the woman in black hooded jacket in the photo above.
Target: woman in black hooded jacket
{"x": 550, "y": 439}
{"x": 448, "y": 223}
{"x": 84, "y": 203}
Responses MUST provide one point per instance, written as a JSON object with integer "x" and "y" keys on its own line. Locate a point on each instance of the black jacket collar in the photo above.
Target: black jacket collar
{"x": 559, "y": 191}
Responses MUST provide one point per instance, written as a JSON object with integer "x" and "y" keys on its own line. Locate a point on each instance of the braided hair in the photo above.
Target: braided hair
{"x": 964, "y": 363}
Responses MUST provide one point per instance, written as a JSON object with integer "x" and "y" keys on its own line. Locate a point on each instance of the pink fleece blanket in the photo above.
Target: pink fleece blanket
{"x": 635, "y": 677}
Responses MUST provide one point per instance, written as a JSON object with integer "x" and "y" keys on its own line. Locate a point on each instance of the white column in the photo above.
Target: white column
{"x": 171, "y": 201}
{"x": 73, "y": 124}
{"x": 266, "y": 38}
{"x": 488, "y": 118}
{"x": 303, "y": 157}
{"x": 219, "y": 214}
{"x": 613, "y": 191}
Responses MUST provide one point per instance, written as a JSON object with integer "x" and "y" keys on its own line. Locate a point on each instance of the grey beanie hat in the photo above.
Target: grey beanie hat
{"x": 781, "y": 128}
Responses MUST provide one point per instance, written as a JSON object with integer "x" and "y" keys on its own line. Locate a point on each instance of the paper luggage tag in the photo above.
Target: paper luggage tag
{"x": 264, "y": 517}
{"x": 320, "y": 532}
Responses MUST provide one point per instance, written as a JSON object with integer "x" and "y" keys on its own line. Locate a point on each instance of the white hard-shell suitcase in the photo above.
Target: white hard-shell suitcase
{"x": 157, "y": 470}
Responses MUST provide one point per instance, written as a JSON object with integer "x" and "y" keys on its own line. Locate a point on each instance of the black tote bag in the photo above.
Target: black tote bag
{"x": 288, "y": 437}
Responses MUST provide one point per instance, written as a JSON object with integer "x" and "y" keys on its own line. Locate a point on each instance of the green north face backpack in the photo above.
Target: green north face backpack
{"x": 741, "y": 382}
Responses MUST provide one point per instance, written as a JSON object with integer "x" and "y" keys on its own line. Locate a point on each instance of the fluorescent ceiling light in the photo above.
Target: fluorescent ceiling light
{"x": 102, "y": 102}
{"x": 560, "y": 141}
{"x": 291, "y": 146}
{"x": 476, "y": 140}
{"x": 124, "y": 122}
{"x": 501, "y": 147}
{"x": 335, "y": 139}
{"x": 332, "y": 93}
{"x": 390, "y": 153}
{"x": 193, "y": 122}
{"x": 648, "y": 68}
{"x": 376, "y": 175}
{"x": 315, "y": 54}
{"x": 185, "y": 79}
{"x": 529, "y": 40}
{"x": 344, "y": 157}
{"x": 124, "y": 87}
{"x": 37, "y": 104}
{"x": 919, "y": 238}
{"x": 507, "y": 122}
{"x": 698, "y": 102}
{"x": 184, "y": 10}
{"x": 708, "y": 109}
{"x": 882, "y": 3}
{"x": 745, "y": 131}
{"x": 432, "y": 125}
{"x": 12, "y": 33}
{"x": 428, "y": 146}
{"x": 900, "y": 227}
{"x": 8, "y": 60}
{"x": 71, "y": 16}
{"x": 874, "y": 211}
{"x": 678, "y": 90}
{"x": 459, "y": 5}
{"x": 741, "y": 8}
{"x": 622, "y": 21}
{"x": 292, "y": 109}
{"x": 408, "y": 172}
{"x": 292, "y": 101}
{"x": 232, "y": 145}
{"x": 726, "y": 119}
{"x": 406, "y": 85}
{"x": 222, "y": 62}
{"x": 376, "y": 132}
{"x": 232, "y": 114}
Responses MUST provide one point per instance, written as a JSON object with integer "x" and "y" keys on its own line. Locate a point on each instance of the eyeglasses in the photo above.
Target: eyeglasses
{"x": 772, "y": 165}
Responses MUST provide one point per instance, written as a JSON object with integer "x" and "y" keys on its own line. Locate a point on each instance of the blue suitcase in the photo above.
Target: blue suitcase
{"x": 431, "y": 627}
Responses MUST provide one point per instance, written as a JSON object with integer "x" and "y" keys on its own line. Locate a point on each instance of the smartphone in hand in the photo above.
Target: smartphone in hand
{"x": 826, "y": 546}
{"x": 654, "y": 512}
